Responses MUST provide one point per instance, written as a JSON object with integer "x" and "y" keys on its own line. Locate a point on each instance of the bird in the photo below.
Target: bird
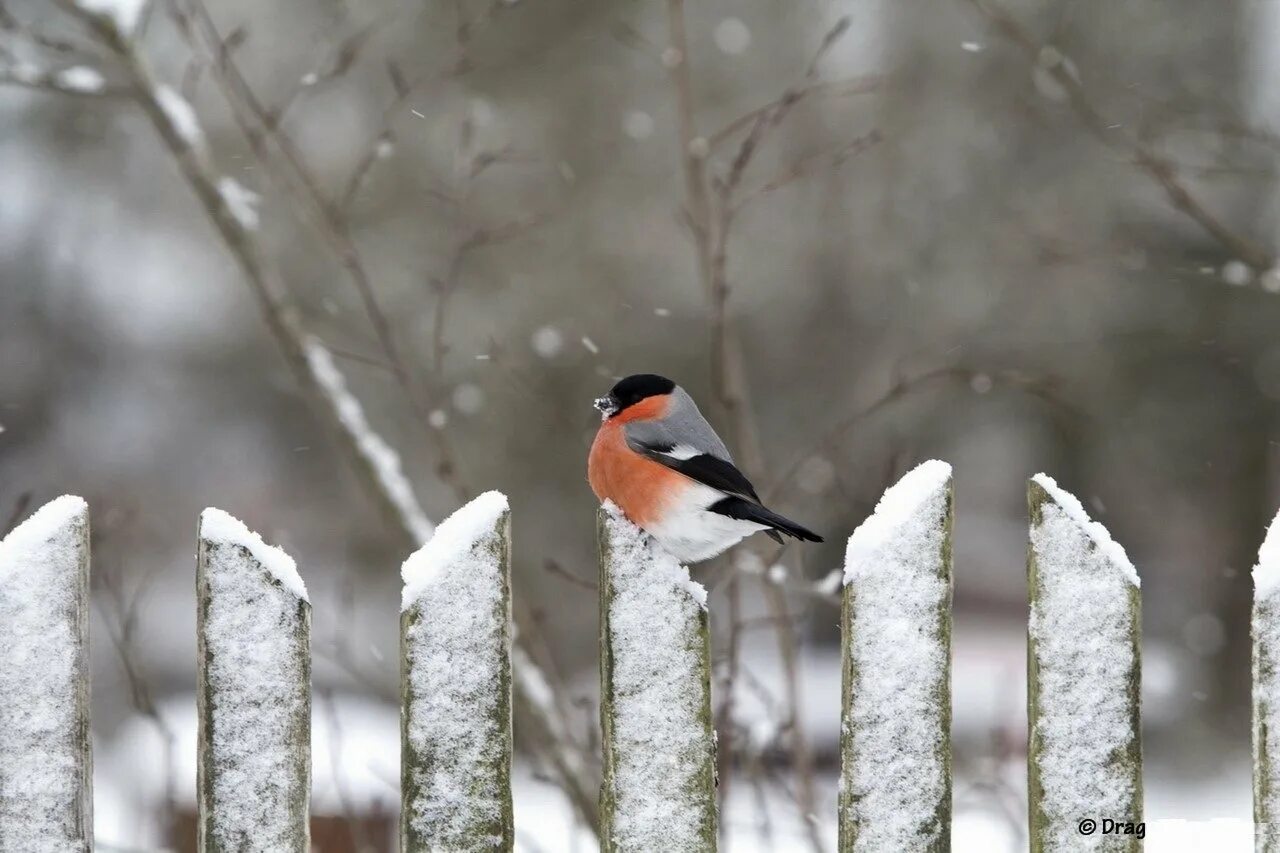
{"x": 659, "y": 461}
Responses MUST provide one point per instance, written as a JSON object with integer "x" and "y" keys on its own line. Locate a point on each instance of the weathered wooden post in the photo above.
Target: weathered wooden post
{"x": 46, "y": 766}
{"x": 1266, "y": 693}
{"x": 1083, "y": 680}
{"x": 895, "y": 733}
{"x": 455, "y": 684}
{"x": 655, "y": 705}
{"x": 253, "y": 692}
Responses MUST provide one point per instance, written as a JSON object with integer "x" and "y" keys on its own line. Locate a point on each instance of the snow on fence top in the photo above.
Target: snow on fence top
{"x": 895, "y": 784}
{"x": 901, "y": 522}
{"x": 456, "y": 684}
{"x": 659, "y": 759}
{"x": 1084, "y": 673}
{"x": 1070, "y": 505}
{"x": 449, "y": 545}
{"x": 1266, "y": 574}
{"x": 44, "y": 716}
{"x": 222, "y": 527}
{"x": 254, "y": 693}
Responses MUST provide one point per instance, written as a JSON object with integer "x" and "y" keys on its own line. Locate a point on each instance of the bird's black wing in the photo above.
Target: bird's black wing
{"x": 655, "y": 441}
{"x": 714, "y": 472}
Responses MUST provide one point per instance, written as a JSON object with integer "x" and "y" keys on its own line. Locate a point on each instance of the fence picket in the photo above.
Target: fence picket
{"x": 455, "y": 684}
{"x": 253, "y": 693}
{"x": 655, "y": 706}
{"x": 1266, "y": 693}
{"x": 46, "y": 766}
{"x": 1083, "y": 678}
{"x": 895, "y": 732}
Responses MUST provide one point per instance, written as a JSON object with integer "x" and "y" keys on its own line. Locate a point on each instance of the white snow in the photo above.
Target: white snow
{"x": 222, "y": 527}
{"x": 894, "y": 777}
{"x": 898, "y": 508}
{"x": 661, "y": 746}
{"x": 547, "y": 341}
{"x": 124, "y": 13}
{"x": 1081, "y": 624}
{"x": 384, "y": 461}
{"x": 180, "y": 115}
{"x": 731, "y": 36}
{"x": 453, "y": 540}
{"x": 1266, "y": 574}
{"x": 241, "y": 203}
{"x": 459, "y": 611}
{"x": 41, "y": 662}
{"x": 80, "y": 78}
{"x": 591, "y": 345}
{"x": 1236, "y": 273}
{"x": 637, "y": 124}
{"x": 830, "y": 583}
{"x": 1100, "y": 535}
{"x": 255, "y": 654}
{"x": 468, "y": 398}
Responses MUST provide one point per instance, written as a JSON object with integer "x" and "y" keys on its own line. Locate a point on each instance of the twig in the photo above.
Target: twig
{"x": 19, "y": 510}
{"x": 121, "y": 619}
{"x": 284, "y": 323}
{"x": 863, "y": 85}
{"x": 54, "y": 81}
{"x": 1053, "y": 63}
{"x": 258, "y": 124}
{"x": 807, "y": 165}
{"x": 553, "y": 567}
{"x": 710, "y": 225}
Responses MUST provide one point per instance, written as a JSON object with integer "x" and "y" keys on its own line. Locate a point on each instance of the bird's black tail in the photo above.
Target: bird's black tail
{"x": 745, "y": 510}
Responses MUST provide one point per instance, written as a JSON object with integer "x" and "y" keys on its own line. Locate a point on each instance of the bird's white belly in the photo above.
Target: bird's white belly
{"x": 689, "y": 532}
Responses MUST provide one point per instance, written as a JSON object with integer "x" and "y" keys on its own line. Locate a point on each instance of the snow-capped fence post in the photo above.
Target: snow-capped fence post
{"x": 895, "y": 618}
{"x": 655, "y": 708}
{"x": 46, "y": 767}
{"x": 455, "y": 684}
{"x": 1083, "y": 677}
{"x": 1266, "y": 693}
{"x": 253, "y": 692}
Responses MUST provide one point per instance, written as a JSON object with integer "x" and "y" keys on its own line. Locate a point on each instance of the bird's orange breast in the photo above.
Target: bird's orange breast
{"x": 642, "y": 488}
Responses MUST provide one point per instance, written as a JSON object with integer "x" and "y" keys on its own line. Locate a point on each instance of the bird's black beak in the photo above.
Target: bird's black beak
{"x": 607, "y": 405}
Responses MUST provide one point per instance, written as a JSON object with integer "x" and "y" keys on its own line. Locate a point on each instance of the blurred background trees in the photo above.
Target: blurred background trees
{"x": 1016, "y": 236}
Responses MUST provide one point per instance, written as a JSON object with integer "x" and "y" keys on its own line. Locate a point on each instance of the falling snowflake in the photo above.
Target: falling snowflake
{"x": 1236, "y": 273}
{"x": 815, "y": 475}
{"x": 468, "y": 398}
{"x": 547, "y": 341}
{"x": 637, "y": 124}
{"x": 732, "y": 36}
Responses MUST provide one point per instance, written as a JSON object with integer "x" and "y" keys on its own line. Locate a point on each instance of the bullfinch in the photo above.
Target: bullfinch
{"x": 663, "y": 465}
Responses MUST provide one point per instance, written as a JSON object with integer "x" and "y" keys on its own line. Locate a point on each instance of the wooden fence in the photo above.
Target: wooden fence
{"x": 254, "y": 696}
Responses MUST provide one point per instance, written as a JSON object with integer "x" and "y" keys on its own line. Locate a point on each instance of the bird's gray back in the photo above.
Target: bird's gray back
{"x": 688, "y": 426}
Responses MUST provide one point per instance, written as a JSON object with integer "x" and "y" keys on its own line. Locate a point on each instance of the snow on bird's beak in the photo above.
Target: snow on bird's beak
{"x": 607, "y": 406}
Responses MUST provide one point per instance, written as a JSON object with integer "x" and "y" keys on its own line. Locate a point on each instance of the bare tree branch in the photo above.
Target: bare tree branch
{"x": 1145, "y": 158}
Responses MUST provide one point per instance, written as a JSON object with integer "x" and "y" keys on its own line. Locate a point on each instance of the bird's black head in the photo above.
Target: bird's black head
{"x": 632, "y": 390}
